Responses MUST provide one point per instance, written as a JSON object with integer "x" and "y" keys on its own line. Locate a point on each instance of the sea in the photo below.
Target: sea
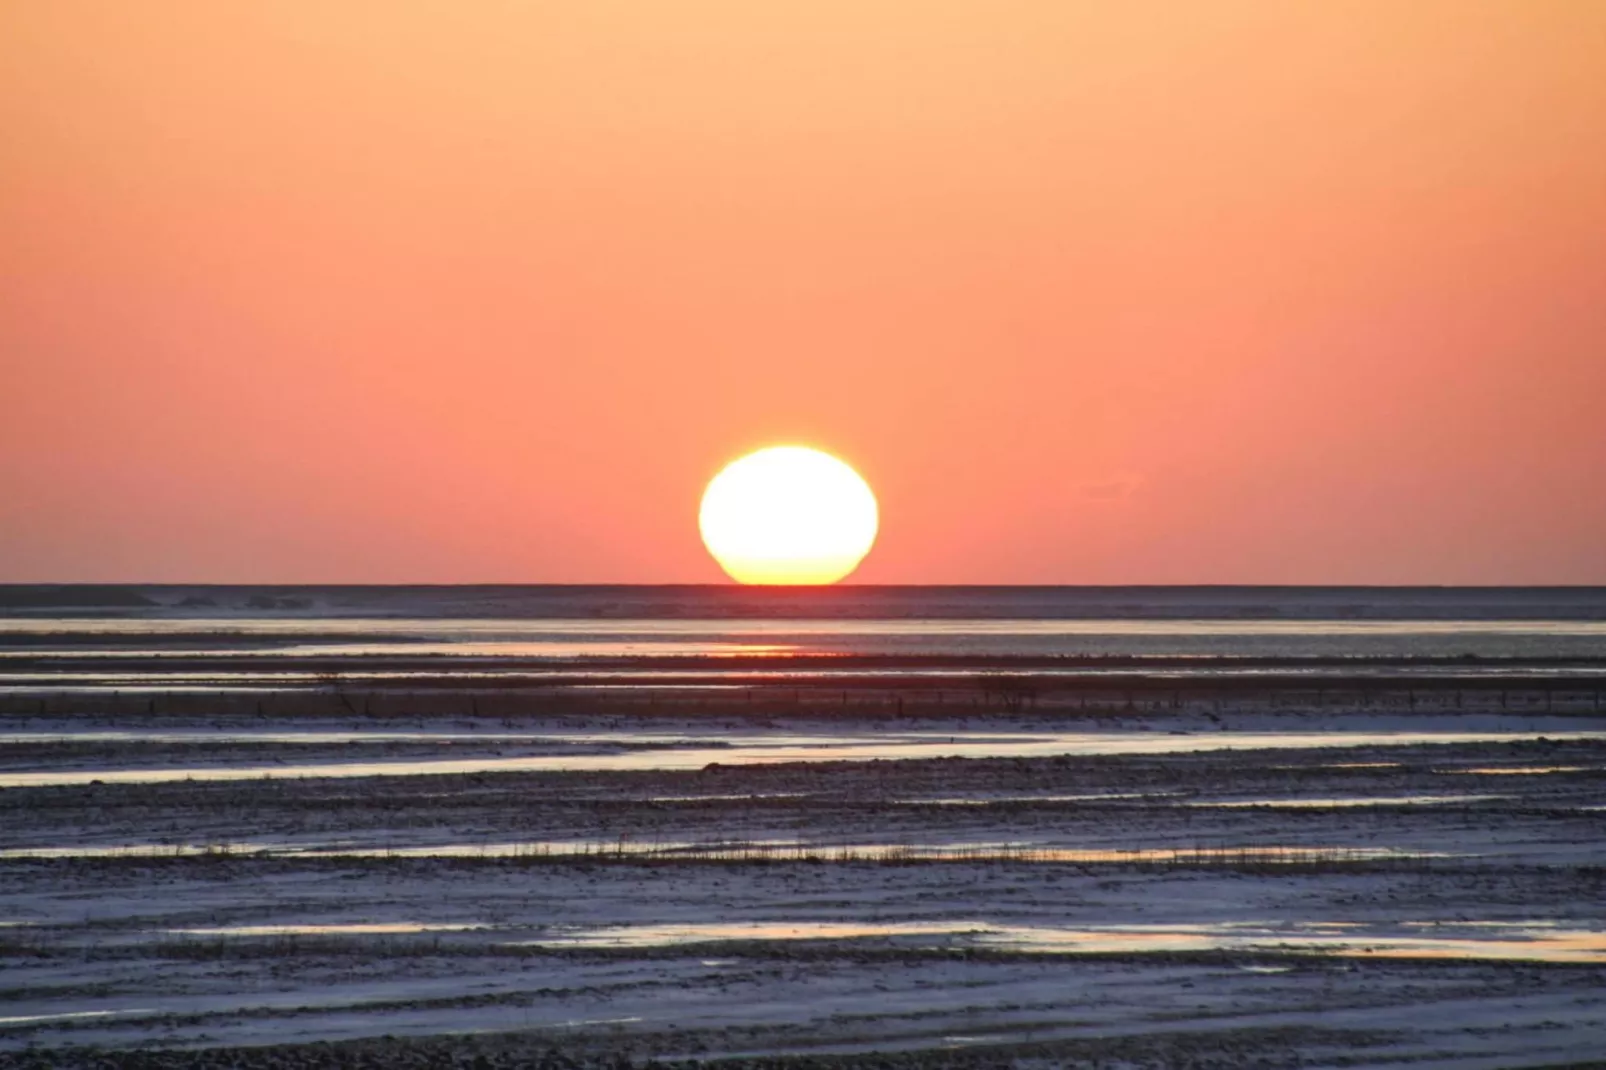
{"x": 187, "y": 637}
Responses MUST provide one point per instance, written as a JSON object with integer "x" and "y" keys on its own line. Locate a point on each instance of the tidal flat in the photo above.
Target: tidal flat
{"x": 1354, "y": 867}
{"x": 1384, "y": 892}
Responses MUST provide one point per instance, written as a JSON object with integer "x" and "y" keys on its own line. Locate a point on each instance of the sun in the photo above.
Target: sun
{"x": 788, "y": 514}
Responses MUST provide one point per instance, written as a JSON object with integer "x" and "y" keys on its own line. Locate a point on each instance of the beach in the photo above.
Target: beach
{"x": 296, "y": 836}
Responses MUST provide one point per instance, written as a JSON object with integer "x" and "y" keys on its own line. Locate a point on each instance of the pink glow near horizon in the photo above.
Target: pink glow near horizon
{"x": 1090, "y": 293}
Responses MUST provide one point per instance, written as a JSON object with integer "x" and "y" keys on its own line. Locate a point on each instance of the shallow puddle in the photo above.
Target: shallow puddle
{"x": 147, "y": 850}
{"x": 1343, "y": 765}
{"x": 224, "y": 737}
{"x": 758, "y": 749}
{"x": 697, "y": 932}
{"x": 1535, "y": 942}
{"x": 1541, "y": 941}
{"x": 1340, "y": 803}
{"x": 1511, "y": 770}
{"x": 745, "y": 796}
{"x": 65, "y": 1016}
{"x": 1008, "y": 800}
{"x": 337, "y": 929}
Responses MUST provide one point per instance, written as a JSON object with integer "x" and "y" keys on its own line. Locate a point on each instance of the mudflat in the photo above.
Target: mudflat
{"x": 1122, "y": 886}
{"x": 325, "y": 842}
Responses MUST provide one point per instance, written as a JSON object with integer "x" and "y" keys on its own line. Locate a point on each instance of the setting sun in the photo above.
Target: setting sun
{"x": 788, "y": 515}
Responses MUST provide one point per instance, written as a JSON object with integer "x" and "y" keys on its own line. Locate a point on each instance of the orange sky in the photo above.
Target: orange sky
{"x": 1137, "y": 292}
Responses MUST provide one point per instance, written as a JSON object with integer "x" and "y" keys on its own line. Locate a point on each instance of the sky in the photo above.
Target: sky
{"x": 1090, "y": 292}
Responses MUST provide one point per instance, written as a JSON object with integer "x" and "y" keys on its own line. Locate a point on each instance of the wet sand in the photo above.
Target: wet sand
{"x": 1005, "y": 831}
{"x": 1029, "y": 887}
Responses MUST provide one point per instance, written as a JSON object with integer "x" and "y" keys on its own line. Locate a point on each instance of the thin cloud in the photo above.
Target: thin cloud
{"x": 1117, "y": 489}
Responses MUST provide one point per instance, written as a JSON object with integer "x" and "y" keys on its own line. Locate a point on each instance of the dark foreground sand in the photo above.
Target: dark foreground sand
{"x": 1377, "y": 900}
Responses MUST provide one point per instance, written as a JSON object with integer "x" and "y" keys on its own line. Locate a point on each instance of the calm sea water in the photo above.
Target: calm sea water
{"x": 723, "y": 602}
{"x": 198, "y": 637}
